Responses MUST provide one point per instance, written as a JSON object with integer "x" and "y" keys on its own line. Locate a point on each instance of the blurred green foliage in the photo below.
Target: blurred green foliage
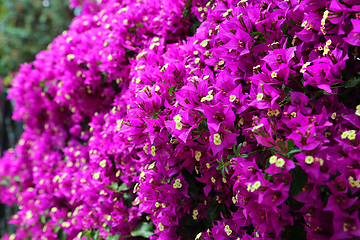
{"x": 28, "y": 26}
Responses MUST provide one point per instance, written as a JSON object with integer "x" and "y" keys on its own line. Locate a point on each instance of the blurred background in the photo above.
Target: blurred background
{"x": 26, "y": 27}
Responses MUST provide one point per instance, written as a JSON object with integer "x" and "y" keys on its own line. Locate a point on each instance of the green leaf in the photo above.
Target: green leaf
{"x": 294, "y": 151}
{"x": 327, "y": 93}
{"x": 127, "y": 200}
{"x": 86, "y": 234}
{"x": 95, "y": 234}
{"x": 268, "y": 176}
{"x": 57, "y": 228}
{"x": 193, "y": 189}
{"x": 289, "y": 41}
{"x": 116, "y": 188}
{"x": 116, "y": 237}
{"x": 205, "y": 125}
{"x": 179, "y": 202}
{"x": 143, "y": 229}
{"x": 171, "y": 90}
{"x": 285, "y": 28}
{"x": 43, "y": 219}
{"x": 42, "y": 83}
{"x": 213, "y": 212}
{"x": 196, "y": 25}
{"x": 155, "y": 115}
{"x": 299, "y": 180}
{"x": 123, "y": 187}
{"x": 295, "y": 232}
{"x": 5, "y": 182}
{"x": 290, "y": 143}
{"x": 238, "y": 149}
{"x": 115, "y": 86}
{"x": 258, "y": 37}
{"x": 286, "y": 89}
{"x": 228, "y": 157}
{"x": 186, "y": 11}
{"x": 115, "y": 185}
{"x": 352, "y": 82}
{"x": 294, "y": 203}
{"x": 104, "y": 76}
{"x": 346, "y": 95}
{"x": 325, "y": 194}
{"x": 62, "y": 235}
{"x": 234, "y": 149}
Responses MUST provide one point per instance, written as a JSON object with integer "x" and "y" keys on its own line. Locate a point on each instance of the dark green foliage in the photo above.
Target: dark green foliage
{"x": 299, "y": 180}
{"x": 143, "y": 229}
{"x": 27, "y": 27}
{"x": 186, "y": 11}
{"x": 295, "y": 232}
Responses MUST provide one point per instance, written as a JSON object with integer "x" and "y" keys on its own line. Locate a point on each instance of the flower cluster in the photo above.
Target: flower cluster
{"x": 248, "y": 129}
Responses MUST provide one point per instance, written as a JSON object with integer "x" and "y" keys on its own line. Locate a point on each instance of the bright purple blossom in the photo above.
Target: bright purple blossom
{"x": 248, "y": 127}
